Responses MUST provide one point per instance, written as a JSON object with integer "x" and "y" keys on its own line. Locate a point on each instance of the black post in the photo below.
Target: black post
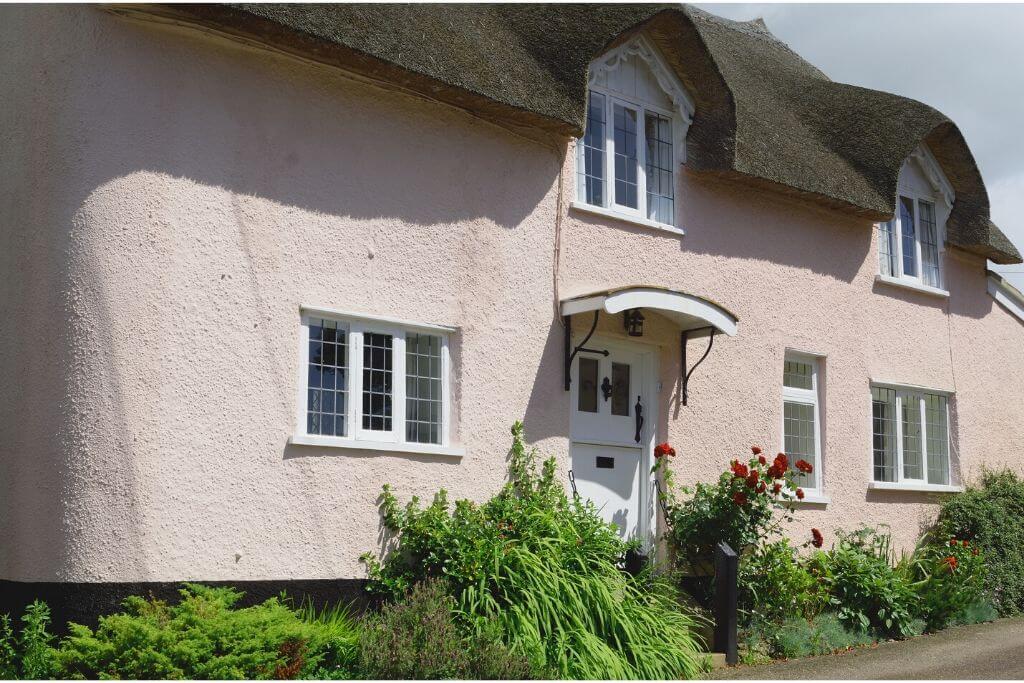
{"x": 726, "y": 595}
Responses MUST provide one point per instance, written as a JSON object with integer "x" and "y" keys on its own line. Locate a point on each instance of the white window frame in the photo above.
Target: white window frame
{"x": 902, "y": 393}
{"x": 941, "y": 198}
{"x": 359, "y": 437}
{"x": 681, "y": 118}
{"x": 810, "y": 396}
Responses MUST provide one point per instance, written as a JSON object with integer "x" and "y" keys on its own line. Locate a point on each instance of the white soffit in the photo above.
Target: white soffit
{"x": 1006, "y": 294}
{"x": 689, "y": 311}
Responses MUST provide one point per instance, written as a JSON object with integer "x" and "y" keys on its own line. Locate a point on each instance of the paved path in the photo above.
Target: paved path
{"x": 993, "y": 650}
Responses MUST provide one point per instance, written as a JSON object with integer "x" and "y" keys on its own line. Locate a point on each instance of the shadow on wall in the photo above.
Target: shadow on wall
{"x": 547, "y": 408}
{"x": 717, "y": 217}
{"x": 140, "y": 98}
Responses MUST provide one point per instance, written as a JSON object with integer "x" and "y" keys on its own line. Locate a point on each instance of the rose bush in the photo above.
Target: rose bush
{"x": 740, "y": 508}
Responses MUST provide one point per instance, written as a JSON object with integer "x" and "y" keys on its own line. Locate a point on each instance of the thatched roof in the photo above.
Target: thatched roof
{"x": 764, "y": 115}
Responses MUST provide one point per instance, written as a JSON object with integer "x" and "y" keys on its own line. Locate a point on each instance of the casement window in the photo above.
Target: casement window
{"x": 374, "y": 383}
{"x": 626, "y": 159}
{"x": 908, "y": 246}
{"x": 910, "y": 436}
{"x": 801, "y": 417}
{"x": 637, "y": 117}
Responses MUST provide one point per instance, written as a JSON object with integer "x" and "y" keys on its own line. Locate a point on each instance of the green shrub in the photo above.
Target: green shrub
{"x": 990, "y": 515}
{"x": 740, "y": 508}
{"x": 204, "y": 636}
{"x": 799, "y": 637}
{"x": 774, "y": 584}
{"x": 948, "y": 579}
{"x": 865, "y": 589}
{"x": 545, "y": 572}
{"x": 419, "y": 639}
{"x": 978, "y": 612}
{"x": 28, "y": 654}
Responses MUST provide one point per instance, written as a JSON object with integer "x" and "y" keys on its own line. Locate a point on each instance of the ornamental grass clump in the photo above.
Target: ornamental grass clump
{"x": 543, "y": 570}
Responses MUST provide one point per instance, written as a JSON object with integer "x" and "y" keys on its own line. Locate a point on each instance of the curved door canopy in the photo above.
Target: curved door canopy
{"x": 691, "y": 312}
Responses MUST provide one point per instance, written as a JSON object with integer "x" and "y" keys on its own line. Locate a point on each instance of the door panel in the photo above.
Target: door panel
{"x": 605, "y": 390}
{"x": 610, "y": 477}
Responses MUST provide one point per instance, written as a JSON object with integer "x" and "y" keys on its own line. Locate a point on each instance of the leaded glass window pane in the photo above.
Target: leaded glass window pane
{"x": 377, "y": 381}
{"x": 586, "y": 399}
{"x": 929, "y": 244}
{"x": 913, "y": 466}
{"x": 660, "y": 190}
{"x": 591, "y": 170}
{"x": 423, "y": 399}
{"x": 327, "y": 379}
{"x": 909, "y": 236}
{"x": 797, "y": 375}
{"x": 887, "y": 249}
{"x": 800, "y": 439}
{"x": 626, "y": 160}
{"x": 883, "y": 421}
{"x": 937, "y": 431}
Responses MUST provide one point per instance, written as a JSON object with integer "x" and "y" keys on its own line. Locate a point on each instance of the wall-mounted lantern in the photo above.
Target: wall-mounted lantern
{"x": 633, "y": 320}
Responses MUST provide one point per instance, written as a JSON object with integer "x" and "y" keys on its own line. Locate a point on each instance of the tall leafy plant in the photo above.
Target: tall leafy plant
{"x": 28, "y": 654}
{"x": 543, "y": 568}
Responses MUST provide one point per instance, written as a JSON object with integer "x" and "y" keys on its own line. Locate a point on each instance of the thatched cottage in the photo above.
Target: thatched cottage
{"x": 259, "y": 260}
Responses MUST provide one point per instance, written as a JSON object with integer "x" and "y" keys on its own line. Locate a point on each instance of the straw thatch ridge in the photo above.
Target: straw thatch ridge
{"x": 764, "y": 114}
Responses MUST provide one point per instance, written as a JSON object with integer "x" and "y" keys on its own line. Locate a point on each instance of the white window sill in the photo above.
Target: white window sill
{"x": 390, "y": 446}
{"x": 908, "y": 486}
{"x": 809, "y": 499}
{"x": 911, "y": 284}
{"x": 625, "y": 218}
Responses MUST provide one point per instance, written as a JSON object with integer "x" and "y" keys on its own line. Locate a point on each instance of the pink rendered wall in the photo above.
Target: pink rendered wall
{"x": 172, "y": 199}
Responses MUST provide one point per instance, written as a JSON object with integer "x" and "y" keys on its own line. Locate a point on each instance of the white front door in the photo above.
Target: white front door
{"x": 609, "y": 446}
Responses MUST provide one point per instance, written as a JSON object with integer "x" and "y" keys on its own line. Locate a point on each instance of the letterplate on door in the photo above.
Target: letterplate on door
{"x": 606, "y": 463}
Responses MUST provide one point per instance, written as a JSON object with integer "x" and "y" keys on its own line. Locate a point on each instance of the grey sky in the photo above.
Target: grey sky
{"x": 965, "y": 60}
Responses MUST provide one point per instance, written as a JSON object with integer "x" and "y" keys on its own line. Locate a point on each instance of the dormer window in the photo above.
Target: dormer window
{"x": 637, "y": 116}
{"x": 910, "y": 246}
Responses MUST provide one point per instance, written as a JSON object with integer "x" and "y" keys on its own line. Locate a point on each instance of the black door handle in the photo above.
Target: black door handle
{"x": 639, "y": 419}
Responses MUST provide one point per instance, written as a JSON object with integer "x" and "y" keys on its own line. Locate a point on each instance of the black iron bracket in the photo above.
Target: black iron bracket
{"x": 684, "y": 373}
{"x": 570, "y": 353}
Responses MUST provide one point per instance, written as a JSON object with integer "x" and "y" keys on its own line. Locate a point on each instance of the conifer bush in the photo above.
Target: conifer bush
{"x": 204, "y": 636}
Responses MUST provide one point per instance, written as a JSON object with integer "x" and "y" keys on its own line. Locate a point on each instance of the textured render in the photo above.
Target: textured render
{"x": 171, "y": 199}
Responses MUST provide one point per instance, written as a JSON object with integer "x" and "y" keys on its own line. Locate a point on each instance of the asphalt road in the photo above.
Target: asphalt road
{"x": 994, "y": 650}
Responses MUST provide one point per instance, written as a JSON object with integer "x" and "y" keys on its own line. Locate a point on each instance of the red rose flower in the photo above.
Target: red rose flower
{"x": 816, "y": 538}
{"x": 804, "y": 466}
{"x": 951, "y": 562}
{"x": 739, "y": 498}
{"x": 761, "y": 459}
{"x": 752, "y": 479}
{"x": 952, "y": 542}
{"x": 800, "y": 494}
{"x": 975, "y": 550}
{"x": 756, "y": 450}
{"x": 776, "y": 488}
{"x": 739, "y": 470}
{"x": 964, "y": 544}
{"x": 781, "y": 462}
{"x": 663, "y": 449}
